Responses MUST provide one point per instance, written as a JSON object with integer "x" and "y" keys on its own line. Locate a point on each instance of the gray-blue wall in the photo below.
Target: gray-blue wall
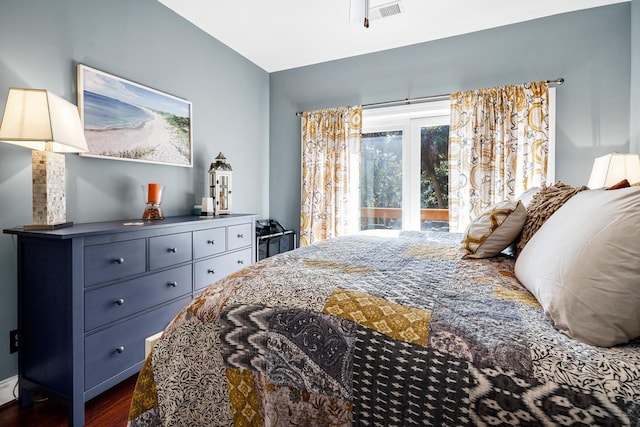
{"x": 590, "y": 49}
{"x": 41, "y": 41}
{"x": 634, "y": 112}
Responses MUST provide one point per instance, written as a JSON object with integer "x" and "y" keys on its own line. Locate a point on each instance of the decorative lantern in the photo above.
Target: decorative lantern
{"x": 220, "y": 185}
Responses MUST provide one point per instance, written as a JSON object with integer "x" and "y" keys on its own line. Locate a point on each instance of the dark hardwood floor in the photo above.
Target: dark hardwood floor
{"x": 110, "y": 409}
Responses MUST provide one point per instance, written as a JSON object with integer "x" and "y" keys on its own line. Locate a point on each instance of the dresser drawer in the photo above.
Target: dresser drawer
{"x": 112, "y": 261}
{"x": 213, "y": 269}
{"x": 209, "y": 242}
{"x": 169, "y": 250}
{"x": 238, "y": 260}
{"x": 208, "y": 271}
{"x": 109, "y": 352}
{"x": 240, "y": 235}
{"x": 117, "y": 301}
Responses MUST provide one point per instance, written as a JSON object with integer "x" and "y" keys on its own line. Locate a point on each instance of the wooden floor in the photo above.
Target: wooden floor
{"x": 110, "y": 409}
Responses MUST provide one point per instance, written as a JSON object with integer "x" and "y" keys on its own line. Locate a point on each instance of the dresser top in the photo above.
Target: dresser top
{"x": 126, "y": 226}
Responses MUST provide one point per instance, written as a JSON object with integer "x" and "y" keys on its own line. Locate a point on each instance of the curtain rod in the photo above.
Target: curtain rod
{"x": 407, "y": 101}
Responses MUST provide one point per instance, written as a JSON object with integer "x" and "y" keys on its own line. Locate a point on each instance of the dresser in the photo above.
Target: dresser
{"x": 89, "y": 296}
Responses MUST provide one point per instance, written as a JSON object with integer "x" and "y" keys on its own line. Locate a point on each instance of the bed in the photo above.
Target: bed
{"x": 369, "y": 330}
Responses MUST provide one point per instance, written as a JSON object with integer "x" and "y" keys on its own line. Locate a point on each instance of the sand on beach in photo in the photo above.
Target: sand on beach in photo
{"x": 156, "y": 134}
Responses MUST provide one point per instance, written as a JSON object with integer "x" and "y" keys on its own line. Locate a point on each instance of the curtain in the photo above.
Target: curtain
{"x": 498, "y": 147}
{"x": 331, "y": 144}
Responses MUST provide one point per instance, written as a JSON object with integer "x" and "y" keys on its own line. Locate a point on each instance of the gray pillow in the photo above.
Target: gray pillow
{"x": 583, "y": 266}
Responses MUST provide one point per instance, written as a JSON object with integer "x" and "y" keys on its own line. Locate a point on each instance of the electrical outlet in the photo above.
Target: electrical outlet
{"x": 13, "y": 341}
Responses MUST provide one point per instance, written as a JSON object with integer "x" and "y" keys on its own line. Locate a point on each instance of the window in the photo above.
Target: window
{"x": 404, "y": 165}
{"x": 404, "y": 169}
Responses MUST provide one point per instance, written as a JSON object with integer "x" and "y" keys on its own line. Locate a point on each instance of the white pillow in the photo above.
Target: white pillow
{"x": 527, "y": 196}
{"x": 583, "y": 266}
{"x": 493, "y": 230}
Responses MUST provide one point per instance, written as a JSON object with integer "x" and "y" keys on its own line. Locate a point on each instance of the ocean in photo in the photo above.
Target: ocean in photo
{"x": 105, "y": 113}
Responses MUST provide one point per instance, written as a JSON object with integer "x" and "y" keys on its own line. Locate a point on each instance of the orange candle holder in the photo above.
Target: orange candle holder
{"x": 152, "y": 194}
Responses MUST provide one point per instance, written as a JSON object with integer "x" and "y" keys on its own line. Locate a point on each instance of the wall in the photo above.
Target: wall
{"x": 589, "y": 48}
{"x": 634, "y": 111}
{"x": 42, "y": 41}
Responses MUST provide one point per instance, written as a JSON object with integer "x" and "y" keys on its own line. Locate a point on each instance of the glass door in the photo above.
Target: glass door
{"x": 404, "y": 168}
{"x": 381, "y": 179}
{"x": 433, "y": 136}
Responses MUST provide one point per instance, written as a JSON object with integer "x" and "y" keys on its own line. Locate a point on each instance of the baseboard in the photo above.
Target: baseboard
{"x": 6, "y": 389}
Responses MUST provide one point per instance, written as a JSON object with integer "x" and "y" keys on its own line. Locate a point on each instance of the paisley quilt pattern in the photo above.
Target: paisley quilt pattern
{"x": 372, "y": 331}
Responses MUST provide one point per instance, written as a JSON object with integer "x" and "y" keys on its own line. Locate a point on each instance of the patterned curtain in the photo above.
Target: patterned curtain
{"x": 331, "y": 142}
{"x": 498, "y": 147}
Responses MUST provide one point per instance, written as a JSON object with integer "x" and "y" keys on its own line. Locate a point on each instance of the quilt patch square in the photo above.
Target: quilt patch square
{"x": 420, "y": 386}
{"x": 285, "y": 406}
{"x": 242, "y": 397}
{"x": 395, "y": 320}
{"x": 504, "y": 397}
{"x": 310, "y": 351}
{"x": 243, "y": 330}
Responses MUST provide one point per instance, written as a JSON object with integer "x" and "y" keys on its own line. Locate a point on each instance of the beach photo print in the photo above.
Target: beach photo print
{"x": 124, "y": 120}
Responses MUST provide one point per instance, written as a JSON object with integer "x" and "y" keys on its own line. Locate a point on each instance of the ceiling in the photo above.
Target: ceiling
{"x": 282, "y": 34}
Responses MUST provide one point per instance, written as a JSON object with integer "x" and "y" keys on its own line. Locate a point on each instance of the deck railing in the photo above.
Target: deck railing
{"x": 385, "y": 217}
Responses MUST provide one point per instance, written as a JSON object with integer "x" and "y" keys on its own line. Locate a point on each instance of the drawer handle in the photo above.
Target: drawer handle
{"x": 240, "y": 236}
{"x": 240, "y": 261}
{"x": 172, "y": 250}
{"x": 211, "y": 271}
{"x": 211, "y": 242}
{"x": 120, "y": 349}
{"x": 173, "y": 284}
{"x": 119, "y": 260}
{"x": 120, "y": 301}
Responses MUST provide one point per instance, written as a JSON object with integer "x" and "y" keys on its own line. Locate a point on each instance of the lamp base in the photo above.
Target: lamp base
{"x": 33, "y": 227}
{"x": 49, "y": 198}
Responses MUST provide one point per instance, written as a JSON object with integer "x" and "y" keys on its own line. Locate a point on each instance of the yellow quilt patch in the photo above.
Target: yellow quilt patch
{"x": 432, "y": 251}
{"x": 242, "y": 396}
{"x": 145, "y": 395}
{"x": 394, "y": 320}
{"x": 345, "y": 268}
{"x": 516, "y": 295}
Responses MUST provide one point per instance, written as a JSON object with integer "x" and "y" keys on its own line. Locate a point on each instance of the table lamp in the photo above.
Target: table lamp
{"x": 47, "y": 124}
{"x": 612, "y": 168}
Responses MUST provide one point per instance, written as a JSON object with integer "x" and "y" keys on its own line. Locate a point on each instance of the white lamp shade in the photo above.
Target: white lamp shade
{"x": 613, "y": 168}
{"x": 38, "y": 119}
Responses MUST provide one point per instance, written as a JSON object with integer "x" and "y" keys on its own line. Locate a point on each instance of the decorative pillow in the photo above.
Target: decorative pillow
{"x": 527, "y": 197}
{"x": 495, "y": 229}
{"x": 544, "y": 203}
{"x": 583, "y": 266}
{"x": 622, "y": 184}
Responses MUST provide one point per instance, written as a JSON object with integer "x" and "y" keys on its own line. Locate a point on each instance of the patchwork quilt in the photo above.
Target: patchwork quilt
{"x": 373, "y": 331}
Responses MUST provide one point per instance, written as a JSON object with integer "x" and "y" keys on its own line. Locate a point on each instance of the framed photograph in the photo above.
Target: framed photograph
{"x": 124, "y": 120}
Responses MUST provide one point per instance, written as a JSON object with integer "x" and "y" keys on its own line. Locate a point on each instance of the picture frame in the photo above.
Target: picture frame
{"x": 124, "y": 120}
